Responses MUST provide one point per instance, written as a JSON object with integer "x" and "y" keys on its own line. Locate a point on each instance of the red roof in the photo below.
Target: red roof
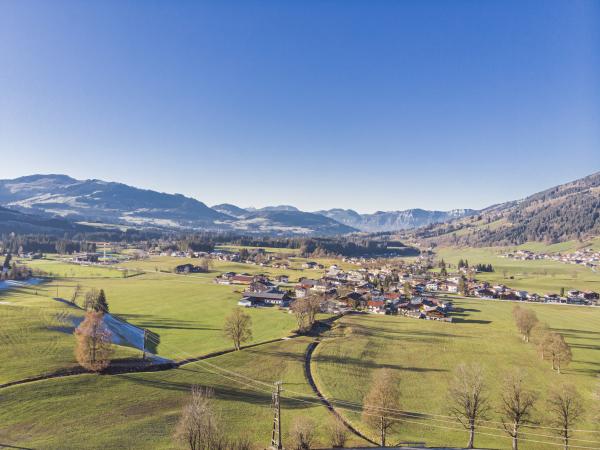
{"x": 376, "y": 303}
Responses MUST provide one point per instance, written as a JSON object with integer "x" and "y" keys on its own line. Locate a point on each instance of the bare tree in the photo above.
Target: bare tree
{"x": 300, "y": 308}
{"x": 516, "y": 405}
{"x": 467, "y": 398}
{"x": 94, "y": 346}
{"x": 526, "y": 320}
{"x": 313, "y": 307}
{"x": 302, "y": 433}
{"x": 199, "y": 425}
{"x": 566, "y": 407}
{"x": 76, "y": 294}
{"x": 541, "y": 336}
{"x": 558, "y": 351}
{"x": 338, "y": 433}
{"x": 379, "y": 403}
{"x": 238, "y": 327}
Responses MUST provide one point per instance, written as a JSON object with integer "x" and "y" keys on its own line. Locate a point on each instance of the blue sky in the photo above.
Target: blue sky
{"x": 370, "y": 105}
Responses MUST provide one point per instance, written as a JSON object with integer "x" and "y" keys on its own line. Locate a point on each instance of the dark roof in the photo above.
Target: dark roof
{"x": 274, "y": 295}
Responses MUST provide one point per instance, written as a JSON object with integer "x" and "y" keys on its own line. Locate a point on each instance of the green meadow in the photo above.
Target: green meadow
{"x": 424, "y": 354}
{"x": 140, "y": 410}
{"x": 541, "y": 276}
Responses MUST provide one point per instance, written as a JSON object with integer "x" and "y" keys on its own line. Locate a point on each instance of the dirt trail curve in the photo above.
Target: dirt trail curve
{"x": 309, "y": 376}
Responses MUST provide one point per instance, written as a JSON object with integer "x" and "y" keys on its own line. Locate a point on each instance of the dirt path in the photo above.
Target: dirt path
{"x": 324, "y": 400}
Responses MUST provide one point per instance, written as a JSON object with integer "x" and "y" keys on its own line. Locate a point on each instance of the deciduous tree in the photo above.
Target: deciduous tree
{"x": 566, "y": 408}
{"x": 94, "y": 346}
{"x": 199, "y": 426}
{"x": 302, "y": 433}
{"x": 467, "y": 398}
{"x": 381, "y": 401}
{"x": 516, "y": 405}
{"x": 238, "y": 327}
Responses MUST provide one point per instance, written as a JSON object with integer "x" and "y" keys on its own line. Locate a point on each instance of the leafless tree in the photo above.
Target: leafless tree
{"x": 566, "y": 408}
{"x": 541, "y": 336}
{"x": 302, "y": 433}
{"x": 338, "y": 433}
{"x": 94, "y": 346}
{"x": 76, "y": 294}
{"x": 526, "y": 320}
{"x": 238, "y": 327}
{"x": 199, "y": 426}
{"x": 467, "y": 398}
{"x": 516, "y": 405}
{"x": 301, "y": 309}
{"x": 379, "y": 403}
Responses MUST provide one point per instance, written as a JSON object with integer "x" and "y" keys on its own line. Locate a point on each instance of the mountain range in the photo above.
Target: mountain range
{"x": 59, "y": 203}
{"x": 570, "y": 211}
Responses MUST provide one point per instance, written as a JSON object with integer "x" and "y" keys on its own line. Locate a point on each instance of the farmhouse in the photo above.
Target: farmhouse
{"x": 188, "y": 268}
{"x": 271, "y": 297}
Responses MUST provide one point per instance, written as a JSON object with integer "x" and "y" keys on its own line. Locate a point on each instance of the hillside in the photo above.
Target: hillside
{"x": 60, "y": 196}
{"x": 17, "y": 222}
{"x": 566, "y": 212}
{"x": 393, "y": 220}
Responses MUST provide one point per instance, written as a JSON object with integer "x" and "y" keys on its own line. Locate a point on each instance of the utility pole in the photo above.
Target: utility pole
{"x": 276, "y": 435}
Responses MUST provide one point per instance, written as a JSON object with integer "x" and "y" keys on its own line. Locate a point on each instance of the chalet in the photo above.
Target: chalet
{"x": 283, "y": 279}
{"x": 432, "y": 286}
{"x": 272, "y": 297}
{"x": 85, "y": 257}
{"x": 300, "y": 292}
{"x": 376, "y": 306}
{"x": 241, "y": 279}
{"x": 310, "y": 265}
{"x": 188, "y": 268}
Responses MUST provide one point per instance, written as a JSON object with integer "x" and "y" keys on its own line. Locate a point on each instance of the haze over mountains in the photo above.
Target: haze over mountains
{"x": 59, "y": 202}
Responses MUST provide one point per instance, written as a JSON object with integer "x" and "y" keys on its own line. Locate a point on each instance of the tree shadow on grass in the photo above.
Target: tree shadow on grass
{"x": 151, "y": 321}
{"x": 255, "y": 395}
{"x": 472, "y": 321}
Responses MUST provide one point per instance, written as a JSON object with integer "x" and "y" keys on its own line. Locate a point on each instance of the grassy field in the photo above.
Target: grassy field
{"x": 139, "y": 411}
{"x": 424, "y": 353}
{"x": 541, "y": 276}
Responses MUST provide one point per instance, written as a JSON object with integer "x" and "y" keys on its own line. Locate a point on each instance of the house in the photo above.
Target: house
{"x": 432, "y": 286}
{"x": 85, "y": 257}
{"x": 283, "y": 279}
{"x": 188, "y": 268}
{"x": 376, "y": 306}
{"x": 272, "y": 297}
{"x": 300, "y": 292}
{"x": 310, "y": 265}
{"x": 241, "y": 279}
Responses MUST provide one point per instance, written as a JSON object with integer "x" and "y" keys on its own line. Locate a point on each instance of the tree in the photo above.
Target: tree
{"x": 463, "y": 286}
{"x": 559, "y": 351}
{"x": 443, "y": 271}
{"x": 407, "y": 289}
{"x": 302, "y": 433}
{"x": 305, "y": 309}
{"x": 566, "y": 407}
{"x": 76, "y": 294}
{"x": 379, "y": 403}
{"x": 238, "y": 327}
{"x": 95, "y": 300}
{"x": 94, "y": 346}
{"x": 338, "y": 433}
{"x": 199, "y": 425}
{"x": 541, "y": 335}
{"x": 526, "y": 320}
{"x": 467, "y": 398}
{"x": 516, "y": 405}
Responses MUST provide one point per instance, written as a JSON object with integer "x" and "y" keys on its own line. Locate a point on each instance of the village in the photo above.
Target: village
{"x": 584, "y": 257}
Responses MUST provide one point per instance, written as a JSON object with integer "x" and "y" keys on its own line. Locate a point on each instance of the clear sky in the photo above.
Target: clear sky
{"x": 370, "y": 105}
